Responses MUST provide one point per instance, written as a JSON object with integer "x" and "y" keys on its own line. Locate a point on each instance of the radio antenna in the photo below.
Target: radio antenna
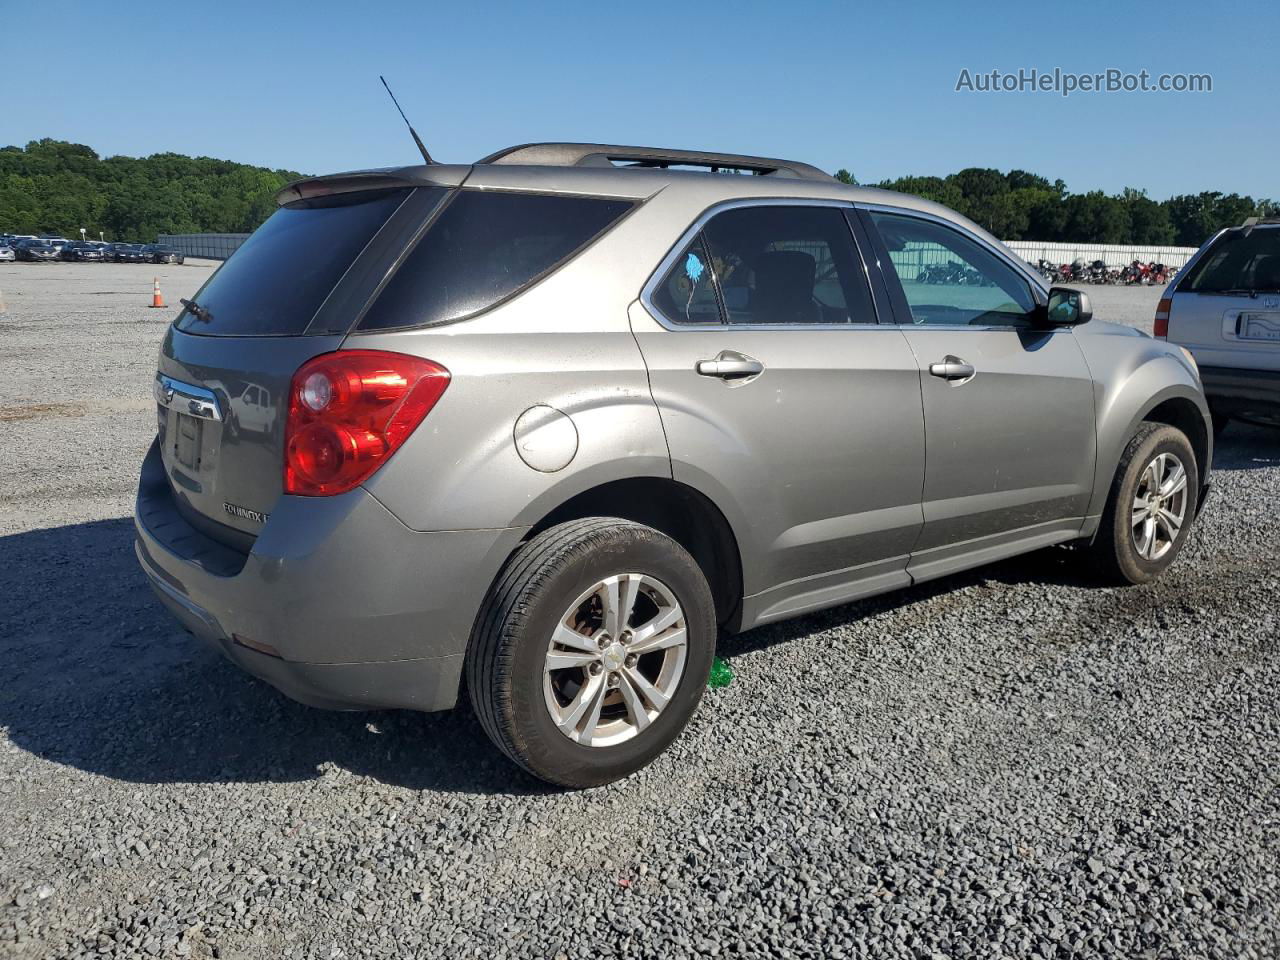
{"x": 416, "y": 139}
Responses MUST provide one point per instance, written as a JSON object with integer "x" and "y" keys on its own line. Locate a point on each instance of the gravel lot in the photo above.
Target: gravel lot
{"x": 1012, "y": 762}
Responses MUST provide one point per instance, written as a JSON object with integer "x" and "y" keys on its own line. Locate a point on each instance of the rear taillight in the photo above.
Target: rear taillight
{"x": 349, "y": 411}
{"x": 1162, "y": 318}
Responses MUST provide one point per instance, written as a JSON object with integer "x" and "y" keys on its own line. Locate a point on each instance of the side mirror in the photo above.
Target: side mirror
{"x": 1067, "y": 307}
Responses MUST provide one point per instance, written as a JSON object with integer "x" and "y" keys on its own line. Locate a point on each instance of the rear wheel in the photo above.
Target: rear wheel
{"x": 1151, "y": 507}
{"x": 592, "y": 650}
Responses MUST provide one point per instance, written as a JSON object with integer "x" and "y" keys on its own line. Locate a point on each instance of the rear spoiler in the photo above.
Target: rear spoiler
{"x": 391, "y": 178}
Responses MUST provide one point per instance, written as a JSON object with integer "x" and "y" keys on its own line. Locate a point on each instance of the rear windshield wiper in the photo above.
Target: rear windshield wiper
{"x": 197, "y": 311}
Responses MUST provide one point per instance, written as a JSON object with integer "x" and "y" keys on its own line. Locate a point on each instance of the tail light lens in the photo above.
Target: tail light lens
{"x": 1162, "y": 318}
{"x": 349, "y": 411}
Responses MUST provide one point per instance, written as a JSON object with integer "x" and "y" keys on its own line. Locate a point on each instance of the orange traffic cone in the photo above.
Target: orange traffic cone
{"x": 157, "y": 298}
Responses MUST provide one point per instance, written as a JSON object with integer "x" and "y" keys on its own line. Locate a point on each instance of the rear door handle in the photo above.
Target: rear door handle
{"x": 952, "y": 368}
{"x": 730, "y": 366}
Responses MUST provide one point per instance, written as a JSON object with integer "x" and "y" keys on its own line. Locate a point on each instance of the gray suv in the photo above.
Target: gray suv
{"x": 547, "y": 425}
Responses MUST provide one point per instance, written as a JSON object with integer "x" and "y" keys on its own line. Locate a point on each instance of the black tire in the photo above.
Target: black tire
{"x": 508, "y": 646}
{"x": 1114, "y": 551}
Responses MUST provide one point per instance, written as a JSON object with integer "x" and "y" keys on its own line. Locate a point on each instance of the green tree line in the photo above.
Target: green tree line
{"x": 51, "y": 186}
{"x": 1023, "y": 206}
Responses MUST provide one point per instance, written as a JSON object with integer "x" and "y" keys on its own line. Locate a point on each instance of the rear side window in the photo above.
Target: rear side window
{"x": 274, "y": 283}
{"x": 484, "y": 248}
{"x": 1237, "y": 262}
{"x": 688, "y": 292}
{"x": 769, "y": 264}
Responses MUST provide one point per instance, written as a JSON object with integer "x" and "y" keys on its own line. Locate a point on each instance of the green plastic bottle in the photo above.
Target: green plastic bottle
{"x": 721, "y": 675}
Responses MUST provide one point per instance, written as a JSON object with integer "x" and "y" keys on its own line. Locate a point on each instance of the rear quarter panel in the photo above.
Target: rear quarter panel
{"x": 564, "y": 344}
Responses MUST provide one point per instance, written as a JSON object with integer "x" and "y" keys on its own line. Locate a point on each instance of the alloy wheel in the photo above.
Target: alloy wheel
{"x": 615, "y": 659}
{"x": 1159, "y": 506}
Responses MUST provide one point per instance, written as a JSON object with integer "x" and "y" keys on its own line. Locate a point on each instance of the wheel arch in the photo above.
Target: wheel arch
{"x": 676, "y": 509}
{"x": 1182, "y": 412}
{"x": 1151, "y": 394}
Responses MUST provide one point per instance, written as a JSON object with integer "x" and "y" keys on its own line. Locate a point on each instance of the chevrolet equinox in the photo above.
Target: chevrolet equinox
{"x": 544, "y": 426}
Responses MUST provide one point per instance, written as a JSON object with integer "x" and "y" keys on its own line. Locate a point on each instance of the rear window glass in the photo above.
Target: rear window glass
{"x": 484, "y": 248}
{"x": 274, "y": 283}
{"x": 1237, "y": 262}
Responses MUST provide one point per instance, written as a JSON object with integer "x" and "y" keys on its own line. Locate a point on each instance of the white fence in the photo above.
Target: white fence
{"x": 1114, "y": 255}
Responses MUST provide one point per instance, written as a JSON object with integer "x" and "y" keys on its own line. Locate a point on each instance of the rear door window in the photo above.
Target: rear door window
{"x": 1238, "y": 262}
{"x": 274, "y": 283}
{"x": 485, "y": 247}
{"x": 769, "y": 264}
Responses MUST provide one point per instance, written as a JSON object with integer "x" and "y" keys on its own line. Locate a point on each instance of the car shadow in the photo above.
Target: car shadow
{"x": 99, "y": 677}
{"x": 1056, "y": 566}
{"x": 1245, "y": 446}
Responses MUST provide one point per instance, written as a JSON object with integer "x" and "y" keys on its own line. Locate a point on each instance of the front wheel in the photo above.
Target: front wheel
{"x": 592, "y": 650}
{"x": 1151, "y": 506}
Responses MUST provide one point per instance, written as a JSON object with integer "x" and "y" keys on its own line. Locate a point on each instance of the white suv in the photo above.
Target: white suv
{"x": 1224, "y": 307}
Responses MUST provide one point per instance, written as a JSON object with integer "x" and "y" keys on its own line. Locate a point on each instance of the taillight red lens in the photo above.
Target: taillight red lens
{"x": 1161, "y": 329}
{"x": 349, "y": 411}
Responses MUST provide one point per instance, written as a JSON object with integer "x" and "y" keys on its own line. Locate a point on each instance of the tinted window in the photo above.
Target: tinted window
{"x": 274, "y": 283}
{"x": 951, "y": 280}
{"x": 1237, "y": 262}
{"x": 484, "y": 248}
{"x": 774, "y": 264}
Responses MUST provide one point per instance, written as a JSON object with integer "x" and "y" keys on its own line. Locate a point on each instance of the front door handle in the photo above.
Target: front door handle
{"x": 952, "y": 368}
{"x": 730, "y": 366}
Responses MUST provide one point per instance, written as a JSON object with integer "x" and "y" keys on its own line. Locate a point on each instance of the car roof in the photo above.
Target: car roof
{"x": 589, "y": 169}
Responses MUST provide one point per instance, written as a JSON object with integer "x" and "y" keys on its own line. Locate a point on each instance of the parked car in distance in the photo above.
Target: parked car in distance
{"x": 557, "y": 420}
{"x": 162, "y": 253}
{"x": 54, "y": 240}
{"x": 7, "y": 254}
{"x": 124, "y": 253}
{"x": 82, "y": 251}
{"x": 36, "y": 251}
{"x": 1224, "y": 306}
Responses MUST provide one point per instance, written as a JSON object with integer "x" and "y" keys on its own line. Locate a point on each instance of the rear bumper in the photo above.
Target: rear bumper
{"x": 1234, "y": 389}
{"x": 338, "y": 604}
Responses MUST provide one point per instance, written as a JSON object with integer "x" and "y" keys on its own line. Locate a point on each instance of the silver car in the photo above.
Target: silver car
{"x": 548, "y": 425}
{"x": 1224, "y": 306}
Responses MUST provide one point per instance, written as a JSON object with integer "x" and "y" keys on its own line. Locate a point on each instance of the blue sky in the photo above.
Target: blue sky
{"x": 870, "y": 87}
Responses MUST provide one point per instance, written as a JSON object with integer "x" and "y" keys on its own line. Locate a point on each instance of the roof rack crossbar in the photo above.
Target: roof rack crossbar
{"x": 605, "y": 154}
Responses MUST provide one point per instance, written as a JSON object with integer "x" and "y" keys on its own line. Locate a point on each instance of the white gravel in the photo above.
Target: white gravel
{"x": 1012, "y": 762}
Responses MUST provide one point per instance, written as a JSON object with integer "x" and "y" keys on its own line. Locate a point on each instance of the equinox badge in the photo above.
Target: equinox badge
{"x": 244, "y": 513}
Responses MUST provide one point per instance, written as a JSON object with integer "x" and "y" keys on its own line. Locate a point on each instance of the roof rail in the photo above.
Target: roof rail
{"x": 605, "y": 154}
{"x": 1251, "y": 222}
